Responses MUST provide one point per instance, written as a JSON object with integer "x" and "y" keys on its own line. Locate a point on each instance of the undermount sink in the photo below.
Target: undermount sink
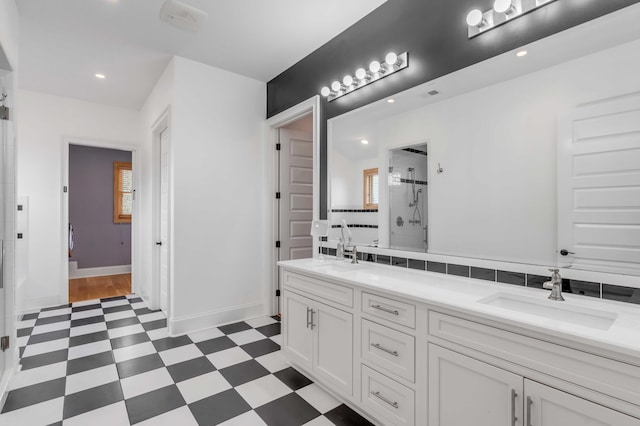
{"x": 558, "y": 311}
{"x": 340, "y": 265}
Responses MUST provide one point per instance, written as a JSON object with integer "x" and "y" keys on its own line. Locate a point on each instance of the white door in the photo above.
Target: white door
{"x": 333, "y": 346}
{"x": 297, "y": 333}
{"x": 163, "y": 232}
{"x": 296, "y": 194}
{"x": 599, "y": 187}
{"x": 550, "y": 407}
{"x": 464, "y": 391}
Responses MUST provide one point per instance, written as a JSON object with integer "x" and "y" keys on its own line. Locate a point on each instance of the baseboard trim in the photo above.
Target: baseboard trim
{"x": 34, "y": 305}
{"x": 74, "y": 272}
{"x": 190, "y": 324}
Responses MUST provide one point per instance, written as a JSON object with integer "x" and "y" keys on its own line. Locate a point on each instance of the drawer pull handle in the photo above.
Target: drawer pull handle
{"x": 529, "y": 404}
{"x": 383, "y": 309}
{"x": 383, "y": 349}
{"x": 385, "y": 400}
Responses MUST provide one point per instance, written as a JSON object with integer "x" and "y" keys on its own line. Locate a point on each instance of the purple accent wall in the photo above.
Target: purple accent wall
{"x": 97, "y": 240}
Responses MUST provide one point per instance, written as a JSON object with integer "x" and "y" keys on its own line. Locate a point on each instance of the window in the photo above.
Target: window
{"x": 371, "y": 189}
{"x": 122, "y": 192}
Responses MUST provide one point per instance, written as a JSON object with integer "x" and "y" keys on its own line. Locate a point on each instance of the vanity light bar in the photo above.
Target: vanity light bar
{"x": 502, "y": 12}
{"x": 377, "y": 69}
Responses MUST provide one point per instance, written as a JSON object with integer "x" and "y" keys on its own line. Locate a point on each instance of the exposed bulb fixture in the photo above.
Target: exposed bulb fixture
{"x": 101, "y": 76}
{"x": 364, "y": 142}
{"x": 363, "y": 76}
{"x": 475, "y": 18}
{"x": 503, "y": 11}
{"x": 522, "y": 53}
{"x": 391, "y": 101}
{"x": 504, "y": 6}
{"x": 391, "y": 58}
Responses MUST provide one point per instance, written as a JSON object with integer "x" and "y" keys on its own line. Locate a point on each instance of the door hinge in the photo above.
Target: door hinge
{"x": 277, "y": 147}
{"x": 4, "y": 343}
{"x": 64, "y": 189}
{"x": 277, "y": 195}
{"x": 277, "y": 244}
{"x": 277, "y": 293}
{"x": 4, "y": 113}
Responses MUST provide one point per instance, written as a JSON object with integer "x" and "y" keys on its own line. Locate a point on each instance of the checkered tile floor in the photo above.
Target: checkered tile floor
{"x": 111, "y": 362}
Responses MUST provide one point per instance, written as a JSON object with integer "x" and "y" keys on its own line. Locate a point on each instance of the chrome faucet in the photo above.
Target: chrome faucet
{"x": 352, "y": 251}
{"x": 555, "y": 285}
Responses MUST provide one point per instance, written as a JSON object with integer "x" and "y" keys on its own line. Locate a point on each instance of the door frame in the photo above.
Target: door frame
{"x": 270, "y": 227}
{"x": 135, "y": 217}
{"x": 162, "y": 123}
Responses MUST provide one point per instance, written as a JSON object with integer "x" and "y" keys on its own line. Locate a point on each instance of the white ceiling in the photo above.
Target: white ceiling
{"x": 64, "y": 43}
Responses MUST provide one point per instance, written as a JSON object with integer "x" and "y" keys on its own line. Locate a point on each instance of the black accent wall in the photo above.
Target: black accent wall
{"x": 434, "y": 32}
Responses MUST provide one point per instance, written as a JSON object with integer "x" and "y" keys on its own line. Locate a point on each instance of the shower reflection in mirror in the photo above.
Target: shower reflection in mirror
{"x": 408, "y": 198}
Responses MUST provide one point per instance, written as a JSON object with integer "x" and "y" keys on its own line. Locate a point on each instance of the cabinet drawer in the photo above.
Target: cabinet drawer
{"x": 319, "y": 288}
{"x": 390, "y": 349}
{"x": 389, "y": 309}
{"x": 598, "y": 373}
{"x": 387, "y": 399}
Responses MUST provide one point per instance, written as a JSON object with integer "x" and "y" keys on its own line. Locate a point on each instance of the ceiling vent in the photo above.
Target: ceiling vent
{"x": 183, "y": 16}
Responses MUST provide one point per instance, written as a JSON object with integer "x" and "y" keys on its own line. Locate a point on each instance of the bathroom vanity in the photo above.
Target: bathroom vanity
{"x": 407, "y": 347}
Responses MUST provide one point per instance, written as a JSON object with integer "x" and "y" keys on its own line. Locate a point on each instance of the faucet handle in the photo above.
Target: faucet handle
{"x": 555, "y": 270}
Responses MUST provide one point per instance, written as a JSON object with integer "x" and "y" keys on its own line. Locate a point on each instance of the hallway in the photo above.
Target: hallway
{"x": 111, "y": 362}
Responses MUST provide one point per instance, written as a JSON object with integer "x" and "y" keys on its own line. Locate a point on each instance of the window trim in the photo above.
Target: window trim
{"x": 367, "y": 196}
{"x": 118, "y": 216}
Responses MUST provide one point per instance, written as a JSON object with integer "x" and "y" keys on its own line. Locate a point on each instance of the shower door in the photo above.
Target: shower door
{"x": 408, "y": 228}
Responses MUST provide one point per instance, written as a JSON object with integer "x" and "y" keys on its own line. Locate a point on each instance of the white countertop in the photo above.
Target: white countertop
{"x": 621, "y": 340}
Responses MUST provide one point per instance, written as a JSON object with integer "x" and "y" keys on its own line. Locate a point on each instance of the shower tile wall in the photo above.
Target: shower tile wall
{"x": 404, "y": 234}
{"x": 362, "y": 234}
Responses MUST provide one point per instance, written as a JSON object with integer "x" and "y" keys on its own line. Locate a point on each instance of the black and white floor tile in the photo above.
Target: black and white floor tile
{"x": 111, "y": 362}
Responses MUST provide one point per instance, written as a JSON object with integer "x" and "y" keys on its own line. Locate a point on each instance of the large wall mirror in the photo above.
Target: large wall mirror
{"x": 531, "y": 158}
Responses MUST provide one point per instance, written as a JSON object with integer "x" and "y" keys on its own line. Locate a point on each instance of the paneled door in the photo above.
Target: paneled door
{"x": 296, "y": 194}
{"x": 464, "y": 391}
{"x": 599, "y": 187}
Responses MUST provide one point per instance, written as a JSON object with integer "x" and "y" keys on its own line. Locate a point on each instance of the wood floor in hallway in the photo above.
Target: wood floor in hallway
{"x": 99, "y": 287}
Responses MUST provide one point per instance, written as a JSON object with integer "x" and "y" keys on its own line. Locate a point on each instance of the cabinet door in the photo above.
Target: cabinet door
{"x": 333, "y": 361}
{"x": 297, "y": 332}
{"x": 547, "y": 406}
{"x": 464, "y": 391}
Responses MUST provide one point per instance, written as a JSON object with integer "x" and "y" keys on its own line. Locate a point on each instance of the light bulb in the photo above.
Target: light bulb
{"x": 391, "y": 101}
{"x": 475, "y": 18}
{"x": 521, "y": 53}
{"x": 361, "y": 74}
{"x": 374, "y": 66}
{"x": 347, "y": 80}
{"x": 364, "y": 142}
{"x": 325, "y": 91}
{"x": 502, "y": 6}
{"x": 391, "y": 58}
{"x": 100, "y": 76}
{"x": 336, "y": 86}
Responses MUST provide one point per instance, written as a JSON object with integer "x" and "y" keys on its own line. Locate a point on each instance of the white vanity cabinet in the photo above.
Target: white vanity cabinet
{"x": 465, "y": 391}
{"x": 402, "y": 359}
{"x": 320, "y": 338}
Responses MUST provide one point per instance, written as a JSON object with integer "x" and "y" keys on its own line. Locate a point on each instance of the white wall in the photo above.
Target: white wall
{"x": 497, "y": 196}
{"x": 42, "y": 123}
{"x": 216, "y": 147}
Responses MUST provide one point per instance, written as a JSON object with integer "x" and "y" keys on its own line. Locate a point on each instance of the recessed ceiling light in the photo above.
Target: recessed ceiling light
{"x": 521, "y": 53}
{"x": 391, "y": 100}
{"x": 364, "y": 142}
{"x": 101, "y": 76}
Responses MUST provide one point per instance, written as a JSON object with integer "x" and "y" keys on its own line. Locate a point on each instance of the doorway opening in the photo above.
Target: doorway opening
{"x": 295, "y": 182}
{"x": 100, "y": 210}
